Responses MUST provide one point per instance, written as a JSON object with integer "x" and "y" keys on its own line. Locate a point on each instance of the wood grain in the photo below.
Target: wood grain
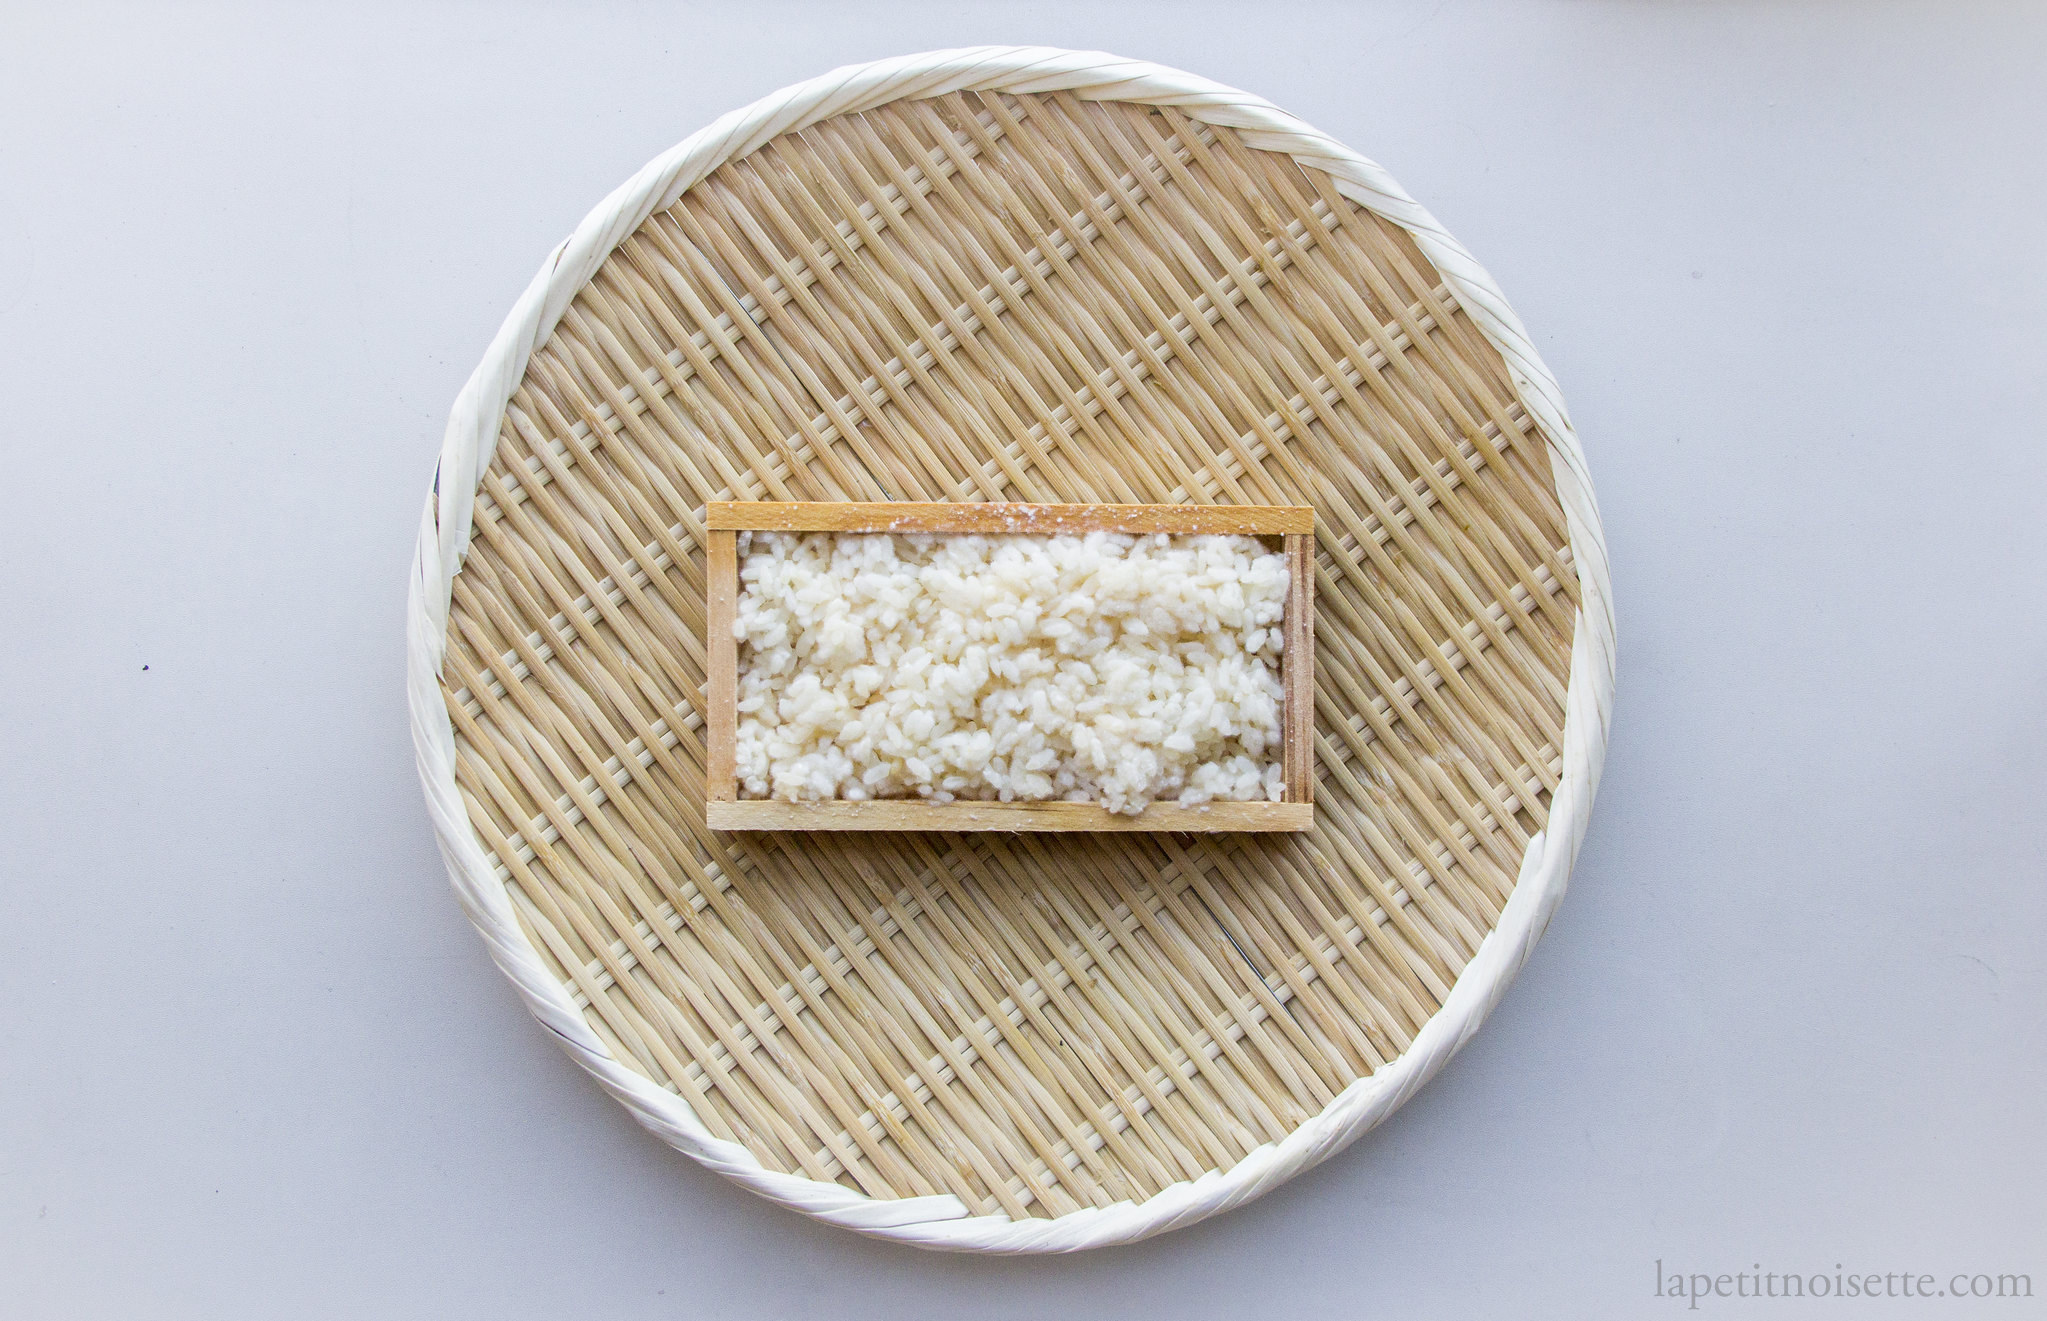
{"x": 1000, "y": 518}
{"x": 906, "y": 814}
{"x": 721, "y": 680}
{"x": 1297, "y": 671}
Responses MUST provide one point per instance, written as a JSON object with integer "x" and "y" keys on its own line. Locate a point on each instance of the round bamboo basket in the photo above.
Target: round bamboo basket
{"x": 1047, "y": 276}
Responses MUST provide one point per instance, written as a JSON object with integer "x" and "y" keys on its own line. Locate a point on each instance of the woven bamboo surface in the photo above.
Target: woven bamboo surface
{"x": 1012, "y": 297}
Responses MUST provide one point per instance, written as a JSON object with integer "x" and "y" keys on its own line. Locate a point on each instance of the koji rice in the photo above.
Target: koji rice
{"x": 1109, "y": 669}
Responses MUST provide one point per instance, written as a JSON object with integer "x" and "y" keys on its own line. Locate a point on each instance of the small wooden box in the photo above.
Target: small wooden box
{"x": 1293, "y": 526}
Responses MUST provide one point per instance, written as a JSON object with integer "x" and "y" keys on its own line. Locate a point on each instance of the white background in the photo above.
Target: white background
{"x": 1790, "y": 264}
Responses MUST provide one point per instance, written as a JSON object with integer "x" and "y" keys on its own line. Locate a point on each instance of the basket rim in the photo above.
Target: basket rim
{"x": 945, "y": 1222}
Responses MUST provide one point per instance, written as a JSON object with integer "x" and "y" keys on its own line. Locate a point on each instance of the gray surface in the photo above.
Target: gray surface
{"x": 1788, "y": 265}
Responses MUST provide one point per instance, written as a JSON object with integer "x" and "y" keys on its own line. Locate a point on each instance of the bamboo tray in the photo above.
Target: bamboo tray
{"x": 1004, "y": 275}
{"x": 1292, "y": 527}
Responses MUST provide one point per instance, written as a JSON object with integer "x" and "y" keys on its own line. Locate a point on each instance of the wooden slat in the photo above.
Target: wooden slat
{"x": 1006, "y": 519}
{"x": 1297, "y": 666}
{"x": 721, "y": 681}
{"x": 898, "y": 814}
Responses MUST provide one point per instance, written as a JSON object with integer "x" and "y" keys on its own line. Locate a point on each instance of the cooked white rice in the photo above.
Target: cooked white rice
{"x": 1102, "y": 669}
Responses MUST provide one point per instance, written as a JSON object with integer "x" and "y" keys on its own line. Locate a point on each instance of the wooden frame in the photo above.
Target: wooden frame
{"x": 1293, "y": 526}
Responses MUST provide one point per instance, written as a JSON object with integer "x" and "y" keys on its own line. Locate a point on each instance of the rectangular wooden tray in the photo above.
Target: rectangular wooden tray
{"x": 1293, "y": 526}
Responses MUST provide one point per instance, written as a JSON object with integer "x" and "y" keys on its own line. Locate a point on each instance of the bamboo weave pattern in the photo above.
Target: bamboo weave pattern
{"x": 1012, "y": 297}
